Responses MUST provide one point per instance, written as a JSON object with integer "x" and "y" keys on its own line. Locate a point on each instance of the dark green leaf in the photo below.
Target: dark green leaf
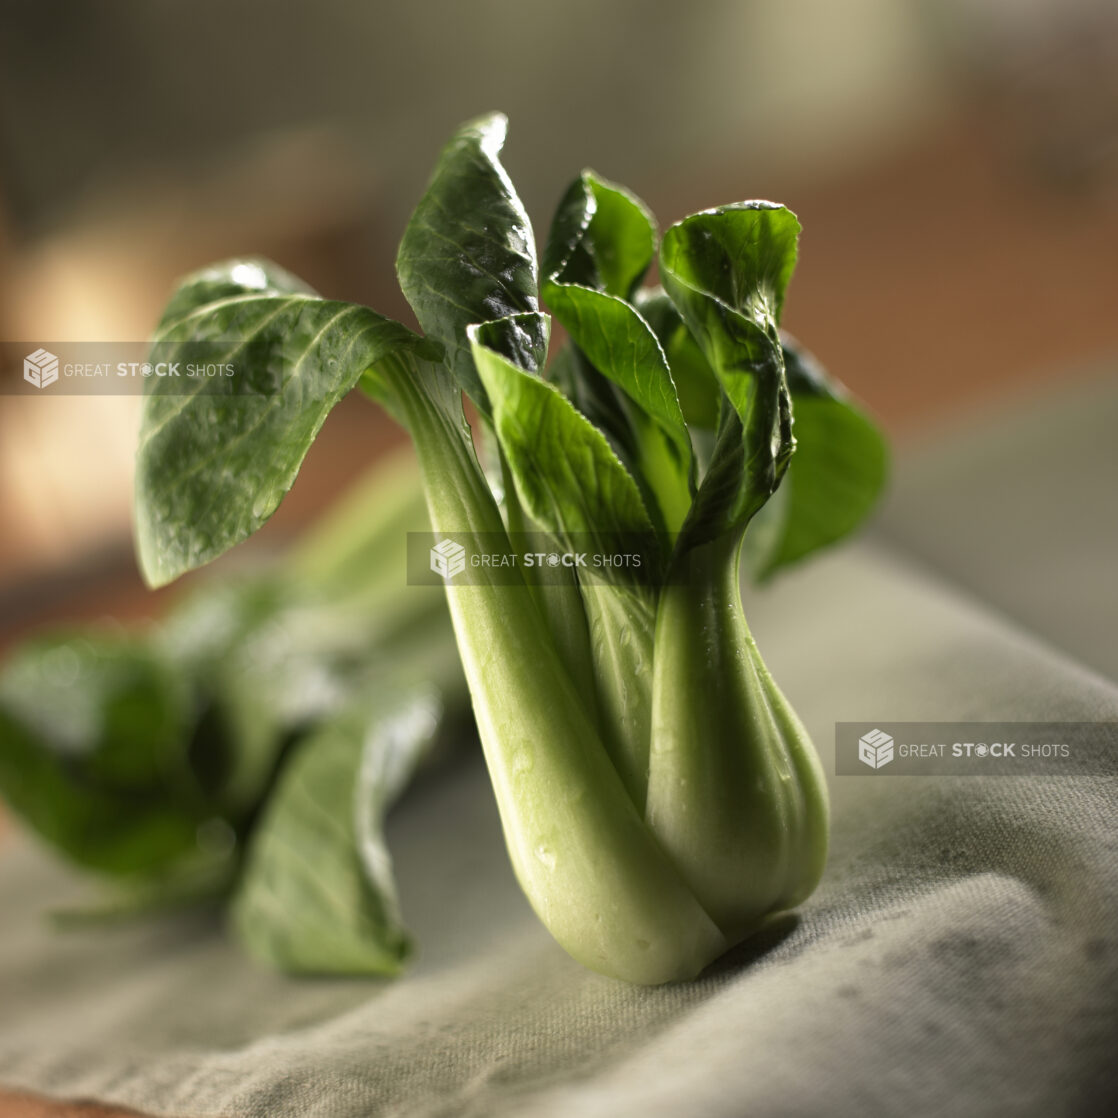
{"x": 600, "y": 245}
{"x": 834, "y": 479}
{"x": 216, "y": 459}
{"x": 602, "y": 237}
{"x": 93, "y": 752}
{"x": 837, "y": 472}
{"x": 317, "y": 894}
{"x": 623, "y": 233}
{"x": 467, "y": 255}
{"x": 569, "y": 258}
{"x": 568, "y": 253}
{"x": 520, "y": 338}
{"x": 742, "y": 256}
{"x": 726, "y": 271}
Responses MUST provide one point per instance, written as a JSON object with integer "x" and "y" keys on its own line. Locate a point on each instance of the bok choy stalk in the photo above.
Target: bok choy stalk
{"x": 658, "y": 795}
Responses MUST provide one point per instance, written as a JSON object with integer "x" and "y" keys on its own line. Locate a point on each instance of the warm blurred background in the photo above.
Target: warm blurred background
{"x": 954, "y": 163}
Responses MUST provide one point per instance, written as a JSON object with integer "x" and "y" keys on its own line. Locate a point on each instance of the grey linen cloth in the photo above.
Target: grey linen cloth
{"x": 960, "y": 957}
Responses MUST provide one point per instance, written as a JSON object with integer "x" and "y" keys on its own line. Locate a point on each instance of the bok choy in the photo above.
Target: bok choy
{"x": 658, "y": 794}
